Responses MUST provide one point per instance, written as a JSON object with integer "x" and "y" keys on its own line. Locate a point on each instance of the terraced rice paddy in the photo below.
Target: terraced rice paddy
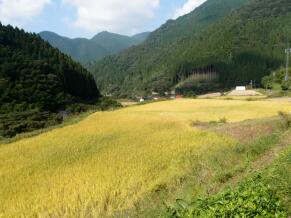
{"x": 111, "y": 160}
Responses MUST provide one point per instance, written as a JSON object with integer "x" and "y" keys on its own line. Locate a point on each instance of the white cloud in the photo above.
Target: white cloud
{"x": 19, "y": 11}
{"x": 189, "y": 6}
{"x": 122, "y": 16}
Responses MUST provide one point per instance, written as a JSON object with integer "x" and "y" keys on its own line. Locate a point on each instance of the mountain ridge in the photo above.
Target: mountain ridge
{"x": 85, "y": 50}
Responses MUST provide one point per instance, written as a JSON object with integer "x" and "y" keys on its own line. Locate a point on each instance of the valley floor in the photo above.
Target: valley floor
{"x": 134, "y": 160}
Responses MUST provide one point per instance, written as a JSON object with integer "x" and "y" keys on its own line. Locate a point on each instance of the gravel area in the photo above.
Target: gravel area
{"x": 244, "y": 93}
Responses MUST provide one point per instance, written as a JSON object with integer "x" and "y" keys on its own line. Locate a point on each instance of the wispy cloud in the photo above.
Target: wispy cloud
{"x": 113, "y": 15}
{"x": 18, "y": 11}
{"x": 189, "y": 6}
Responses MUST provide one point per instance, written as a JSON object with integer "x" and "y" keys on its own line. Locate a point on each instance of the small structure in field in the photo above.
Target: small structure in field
{"x": 141, "y": 100}
{"x": 240, "y": 88}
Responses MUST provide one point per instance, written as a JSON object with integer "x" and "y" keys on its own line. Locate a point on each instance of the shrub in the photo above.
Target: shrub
{"x": 267, "y": 82}
{"x": 285, "y": 119}
{"x": 190, "y": 94}
{"x": 223, "y": 120}
{"x": 224, "y": 177}
{"x": 253, "y": 198}
{"x": 106, "y": 103}
{"x": 285, "y": 85}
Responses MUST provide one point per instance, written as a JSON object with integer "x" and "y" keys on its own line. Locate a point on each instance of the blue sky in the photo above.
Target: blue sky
{"x": 85, "y": 18}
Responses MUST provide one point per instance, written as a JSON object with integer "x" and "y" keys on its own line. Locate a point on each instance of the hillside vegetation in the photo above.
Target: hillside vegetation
{"x": 36, "y": 81}
{"x": 263, "y": 194}
{"x": 112, "y": 162}
{"x": 235, "y": 39}
{"x": 101, "y": 45}
{"x": 276, "y": 80}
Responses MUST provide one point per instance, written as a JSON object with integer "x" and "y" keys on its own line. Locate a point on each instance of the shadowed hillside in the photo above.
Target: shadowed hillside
{"x": 36, "y": 81}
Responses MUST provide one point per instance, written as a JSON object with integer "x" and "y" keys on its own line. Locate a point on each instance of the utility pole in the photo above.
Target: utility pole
{"x": 287, "y": 51}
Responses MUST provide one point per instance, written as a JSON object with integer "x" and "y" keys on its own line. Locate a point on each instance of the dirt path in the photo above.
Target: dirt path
{"x": 268, "y": 158}
{"x": 245, "y": 131}
{"x": 265, "y": 160}
{"x": 210, "y": 95}
{"x": 244, "y": 93}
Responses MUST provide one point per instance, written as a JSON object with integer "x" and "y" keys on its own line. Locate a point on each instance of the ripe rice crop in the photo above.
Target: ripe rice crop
{"x": 110, "y": 160}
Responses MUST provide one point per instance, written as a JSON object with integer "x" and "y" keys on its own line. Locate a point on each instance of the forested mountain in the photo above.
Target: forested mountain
{"x": 101, "y": 45}
{"x": 220, "y": 44}
{"x": 36, "y": 81}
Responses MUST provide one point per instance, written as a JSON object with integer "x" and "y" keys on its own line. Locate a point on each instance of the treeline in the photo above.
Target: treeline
{"x": 36, "y": 78}
{"x": 278, "y": 80}
{"x": 241, "y": 45}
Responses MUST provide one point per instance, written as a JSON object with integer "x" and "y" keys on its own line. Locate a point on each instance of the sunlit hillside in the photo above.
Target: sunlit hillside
{"x": 110, "y": 161}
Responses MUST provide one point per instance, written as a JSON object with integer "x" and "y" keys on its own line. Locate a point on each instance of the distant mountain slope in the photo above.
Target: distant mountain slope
{"x": 37, "y": 80}
{"x": 244, "y": 46}
{"x": 139, "y": 68}
{"x": 239, "y": 40}
{"x": 101, "y": 45}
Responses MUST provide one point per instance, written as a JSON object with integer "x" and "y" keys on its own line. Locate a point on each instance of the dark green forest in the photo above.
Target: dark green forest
{"x": 239, "y": 40}
{"x": 37, "y": 81}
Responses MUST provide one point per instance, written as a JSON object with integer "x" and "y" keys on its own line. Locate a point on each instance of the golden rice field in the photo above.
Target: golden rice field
{"x": 110, "y": 160}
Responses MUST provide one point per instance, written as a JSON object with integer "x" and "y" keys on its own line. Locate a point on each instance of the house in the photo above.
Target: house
{"x": 240, "y": 88}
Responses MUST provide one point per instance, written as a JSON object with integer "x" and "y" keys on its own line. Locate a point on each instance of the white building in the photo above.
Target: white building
{"x": 240, "y": 88}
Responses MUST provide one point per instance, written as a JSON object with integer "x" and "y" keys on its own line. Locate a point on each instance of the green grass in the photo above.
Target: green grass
{"x": 264, "y": 194}
{"x": 278, "y": 177}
